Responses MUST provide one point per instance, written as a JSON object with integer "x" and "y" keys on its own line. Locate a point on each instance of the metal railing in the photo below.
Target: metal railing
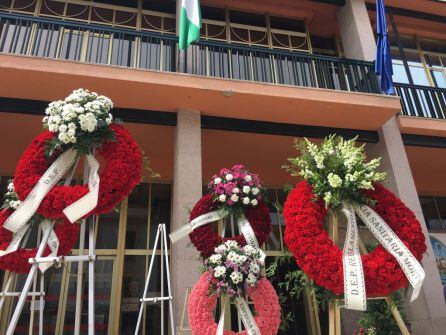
{"x": 62, "y": 39}
{"x": 422, "y": 101}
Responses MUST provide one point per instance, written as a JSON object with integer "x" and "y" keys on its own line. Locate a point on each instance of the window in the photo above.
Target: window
{"x": 124, "y": 242}
{"x": 434, "y": 211}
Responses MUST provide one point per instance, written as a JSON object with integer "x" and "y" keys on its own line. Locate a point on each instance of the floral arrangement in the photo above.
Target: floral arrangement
{"x": 206, "y": 239}
{"x": 321, "y": 259}
{"x": 81, "y": 120}
{"x": 11, "y": 200}
{"x": 233, "y": 269}
{"x": 337, "y": 169}
{"x": 201, "y": 308}
{"x": 236, "y": 189}
{"x": 121, "y": 172}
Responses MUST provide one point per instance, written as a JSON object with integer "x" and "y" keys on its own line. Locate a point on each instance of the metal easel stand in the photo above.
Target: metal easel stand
{"x": 145, "y": 299}
{"x": 90, "y": 258}
{"x": 334, "y": 309}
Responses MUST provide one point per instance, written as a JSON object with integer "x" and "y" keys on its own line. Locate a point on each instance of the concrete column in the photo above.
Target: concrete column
{"x": 356, "y": 32}
{"x": 428, "y": 313}
{"x": 187, "y": 190}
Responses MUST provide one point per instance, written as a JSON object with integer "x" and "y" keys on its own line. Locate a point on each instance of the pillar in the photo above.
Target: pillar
{"x": 187, "y": 190}
{"x": 427, "y": 314}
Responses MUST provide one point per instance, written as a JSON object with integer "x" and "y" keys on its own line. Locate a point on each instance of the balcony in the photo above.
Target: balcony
{"x": 57, "y": 39}
{"x": 423, "y": 109}
{"x": 144, "y": 70}
{"x": 422, "y": 101}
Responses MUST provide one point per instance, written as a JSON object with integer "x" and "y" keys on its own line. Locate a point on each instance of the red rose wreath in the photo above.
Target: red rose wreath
{"x": 201, "y": 307}
{"x": 122, "y": 171}
{"x": 80, "y": 123}
{"x": 18, "y": 261}
{"x": 321, "y": 259}
{"x": 205, "y": 239}
{"x": 337, "y": 175}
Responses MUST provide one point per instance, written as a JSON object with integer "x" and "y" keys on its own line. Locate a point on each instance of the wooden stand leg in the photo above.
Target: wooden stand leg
{"x": 398, "y": 318}
{"x": 313, "y": 323}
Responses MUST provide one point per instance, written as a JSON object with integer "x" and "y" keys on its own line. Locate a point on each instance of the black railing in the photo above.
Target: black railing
{"x": 53, "y": 38}
{"x": 422, "y": 101}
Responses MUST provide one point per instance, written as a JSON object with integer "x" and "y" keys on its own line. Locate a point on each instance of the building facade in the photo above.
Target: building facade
{"x": 262, "y": 74}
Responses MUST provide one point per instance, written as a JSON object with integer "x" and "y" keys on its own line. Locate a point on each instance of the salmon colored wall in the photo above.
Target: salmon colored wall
{"x": 18, "y": 130}
{"x": 152, "y": 90}
{"x": 422, "y": 126}
{"x": 426, "y": 6}
{"x": 428, "y": 167}
{"x": 264, "y": 154}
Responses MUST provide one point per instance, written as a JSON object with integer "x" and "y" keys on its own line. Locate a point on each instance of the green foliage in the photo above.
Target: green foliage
{"x": 336, "y": 168}
{"x": 290, "y": 283}
{"x": 379, "y": 318}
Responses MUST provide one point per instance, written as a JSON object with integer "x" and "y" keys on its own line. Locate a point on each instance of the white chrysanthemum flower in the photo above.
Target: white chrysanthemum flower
{"x": 254, "y": 268}
{"x": 248, "y": 250}
{"x": 215, "y": 259}
{"x": 232, "y": 257}
{"x": 236, "y": 277}
{"x": 217, "y": 180}
{"x": 231, "y": 244}
{"x": 222, "y": 198}
{"x": 246, "y": 189}
{"x": 246, "y": 201}
{"x": 236, "y": 190}
{"x": 248, "y": 178}
{"x": 229, "y": 177}
{"x": 255, "y": 190}
{"x": 219, "y": 271}
{"x": 254, "y": 202}
{"x": 251, "y": 280}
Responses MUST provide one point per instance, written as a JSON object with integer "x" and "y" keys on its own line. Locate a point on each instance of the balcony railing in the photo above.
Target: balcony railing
{"x": 422, "y": 101}
{"x": 62, "y": 39}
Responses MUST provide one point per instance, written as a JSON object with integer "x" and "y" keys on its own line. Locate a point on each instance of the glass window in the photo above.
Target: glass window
{"x": 159, "y": 208}
{"x": 399, "y": 72}
{"x": 430, "y": 213}
{"x": 103, "y": 285}
{"x": 107, "y": 235}
{"x": 138, "y": 218}
{"x": 135, "y": 272}
{"x": 439, "y": 78}
{"x": 441, "y": 205}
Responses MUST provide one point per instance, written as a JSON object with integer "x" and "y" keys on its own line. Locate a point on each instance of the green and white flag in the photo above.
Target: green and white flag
{"x": 190, "y": 22}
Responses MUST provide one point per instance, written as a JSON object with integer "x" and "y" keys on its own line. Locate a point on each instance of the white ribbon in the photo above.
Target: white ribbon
{"x": 195, "y": 223}
{"x": 354, "y": 287}
{"x": 247, "y": 317}
{"x": 18, "y": 221}
{"x": 89, "y": 201}
{"x": 15, "y": 242}
{"x": 28, "y": 207}
{"x": 354, "y": 283}
{"x": 390, "y": 241}
{"x": 53, "y": 243}
{"x": 248, "y": 233}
